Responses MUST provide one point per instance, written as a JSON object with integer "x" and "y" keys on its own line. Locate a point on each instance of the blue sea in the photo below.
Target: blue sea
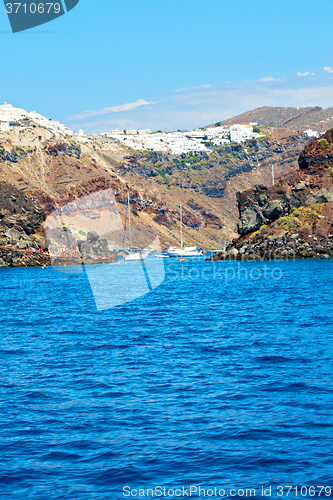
{"x": 221, "y": 379}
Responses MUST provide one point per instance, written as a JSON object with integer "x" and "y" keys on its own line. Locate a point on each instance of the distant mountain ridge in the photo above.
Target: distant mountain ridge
{"x": 298, "y": 119}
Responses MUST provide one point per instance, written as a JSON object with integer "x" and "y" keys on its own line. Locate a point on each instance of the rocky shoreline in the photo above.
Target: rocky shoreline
{"x": 10, "y": 257}
{"x": 285, "y": 246}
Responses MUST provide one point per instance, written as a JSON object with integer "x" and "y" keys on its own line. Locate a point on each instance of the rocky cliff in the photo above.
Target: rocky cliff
{"x": 53, "y": 172}
{"x": 22, "y": 241}
{"x": 293, "y": 218}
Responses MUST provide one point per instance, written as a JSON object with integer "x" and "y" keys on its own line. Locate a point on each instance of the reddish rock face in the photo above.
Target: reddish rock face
{"x": 318, "y": 153}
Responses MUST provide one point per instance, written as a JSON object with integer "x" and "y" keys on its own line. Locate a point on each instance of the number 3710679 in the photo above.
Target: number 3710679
{"x": 304, "y": 491}
{"x": 33, "y": 8}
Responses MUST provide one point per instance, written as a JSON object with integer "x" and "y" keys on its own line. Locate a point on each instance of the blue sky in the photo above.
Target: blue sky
{"x": 206, "y": 104}
{"x": 106, "y": 53}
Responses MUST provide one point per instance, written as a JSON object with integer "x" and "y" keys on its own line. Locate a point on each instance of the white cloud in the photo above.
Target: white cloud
{"x": 113, "y": 109}
{"x": 269, "y": 79}
{"x": 327, "y": 68}
{"x": 302, "y": 74}
{"x": 184, "y": 89}
{"x": 193, "y": 107}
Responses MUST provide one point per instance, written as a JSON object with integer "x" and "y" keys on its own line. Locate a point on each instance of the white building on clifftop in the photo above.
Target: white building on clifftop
{"x": 10, "y": 114}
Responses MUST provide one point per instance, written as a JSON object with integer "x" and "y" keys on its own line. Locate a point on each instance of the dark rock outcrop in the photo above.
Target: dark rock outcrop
{"x": 312, "y": 184}
{"x": 92, "y": 236}
{"x": 11, "y": 154}
{"x": 294, "y": 218}
{"x": 215, "y": 191}
{"x": 62, "y": 148}
{"x": 21, "y": 229}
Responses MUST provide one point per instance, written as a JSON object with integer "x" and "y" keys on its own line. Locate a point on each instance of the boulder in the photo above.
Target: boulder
{"x": 17, "y": 260}
{"x": 299, "y": 186}
{"x": 13, "y": 234}
{"x": 292, "y": 224}
{"x": 2, "y": 263}
{"x": 92, "y": 236}
{"x": 233, "y": 252}
{"x": 262, "y": 199}
{"x": 273, "y": 210}
{"x": 321, "y": 196}
{"x": 251, "y": 220}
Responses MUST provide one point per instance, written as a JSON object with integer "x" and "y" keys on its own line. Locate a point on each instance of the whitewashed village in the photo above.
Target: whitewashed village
{"x": 28, "y": 128}
{"x": 183, "y": 141}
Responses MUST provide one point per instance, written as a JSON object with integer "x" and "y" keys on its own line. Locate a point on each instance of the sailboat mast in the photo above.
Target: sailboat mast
{"x": 129, "y": 222}
{"x": 181, "y": 227}
{"x": 124, "y": 239}
{"x": 173, "y": 232}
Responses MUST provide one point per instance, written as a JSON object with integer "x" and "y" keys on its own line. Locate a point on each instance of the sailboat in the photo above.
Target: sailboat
{"x": 183, "y": 252}
{"x": 136, "y": 255}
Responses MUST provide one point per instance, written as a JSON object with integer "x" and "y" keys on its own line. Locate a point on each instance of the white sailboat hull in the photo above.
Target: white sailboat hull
{"x": 135, "y": 256}
{"x": 184, "y": 252}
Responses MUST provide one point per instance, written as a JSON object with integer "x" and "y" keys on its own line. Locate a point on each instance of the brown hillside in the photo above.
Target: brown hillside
{"x": 298, "y": 119}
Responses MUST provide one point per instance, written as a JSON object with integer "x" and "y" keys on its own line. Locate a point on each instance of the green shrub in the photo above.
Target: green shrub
{"x": 296, "y": 212}
{"x": 289, "y": 222}
{"x": 323, "y": 143}
{"x": 313, "y": 214}
{"x": 164, "y": 177}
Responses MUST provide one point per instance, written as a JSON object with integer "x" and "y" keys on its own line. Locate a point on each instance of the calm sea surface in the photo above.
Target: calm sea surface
{"x": 212, "y": 380}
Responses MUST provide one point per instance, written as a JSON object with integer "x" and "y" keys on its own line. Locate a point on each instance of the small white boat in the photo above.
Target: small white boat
{"x": 183, "y": 251}
{"x": 161, "y": 256}
{"x": 136, "y": 256}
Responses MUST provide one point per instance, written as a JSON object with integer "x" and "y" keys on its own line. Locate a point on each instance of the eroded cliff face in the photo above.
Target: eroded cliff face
{"x": 312, "y": 184}
{"x": 55, "y": 172}
{"x": 22, "y": 235}
{"x": 293, "y": 218}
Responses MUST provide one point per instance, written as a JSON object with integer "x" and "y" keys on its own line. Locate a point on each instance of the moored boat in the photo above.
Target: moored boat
{"x": 183, "y": 251}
